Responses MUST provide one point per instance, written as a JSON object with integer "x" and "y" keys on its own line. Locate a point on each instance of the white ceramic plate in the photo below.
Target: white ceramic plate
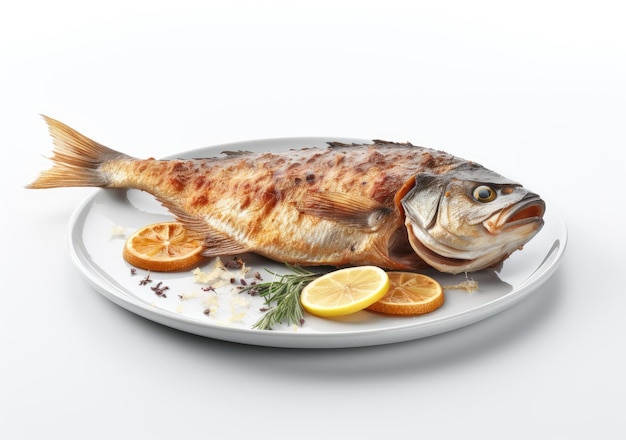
{"x": 100, "y": 224}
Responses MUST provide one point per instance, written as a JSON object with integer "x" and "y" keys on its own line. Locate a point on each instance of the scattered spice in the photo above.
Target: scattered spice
{"x": 159, "y": 289}
{"x": 235, "y": 263}
{"x": 146, "y": 280}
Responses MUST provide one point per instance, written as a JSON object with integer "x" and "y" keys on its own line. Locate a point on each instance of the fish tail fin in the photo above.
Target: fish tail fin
{"x": 77, "y": 160}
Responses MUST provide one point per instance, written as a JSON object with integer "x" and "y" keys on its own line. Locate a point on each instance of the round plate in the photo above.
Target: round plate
{"x": 100, "y": 224}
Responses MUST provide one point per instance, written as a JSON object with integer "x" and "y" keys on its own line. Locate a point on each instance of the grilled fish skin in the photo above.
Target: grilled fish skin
{"x": 394, "y": 205}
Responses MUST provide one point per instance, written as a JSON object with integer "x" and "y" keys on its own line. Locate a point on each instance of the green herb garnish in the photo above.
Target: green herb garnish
{"x": 282, "y": 297}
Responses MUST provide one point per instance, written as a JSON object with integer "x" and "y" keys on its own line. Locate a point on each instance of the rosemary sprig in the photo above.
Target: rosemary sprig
{"x": 282, "y": 297}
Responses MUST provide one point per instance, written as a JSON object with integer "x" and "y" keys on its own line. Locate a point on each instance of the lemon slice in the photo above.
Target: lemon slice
{"x": 344, "y": 291}
{"x": 163, "y": 247}
{"x": 410, "y": 294}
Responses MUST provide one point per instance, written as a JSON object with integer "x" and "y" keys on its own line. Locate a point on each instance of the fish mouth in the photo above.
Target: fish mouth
{"x": 529, "y": 210}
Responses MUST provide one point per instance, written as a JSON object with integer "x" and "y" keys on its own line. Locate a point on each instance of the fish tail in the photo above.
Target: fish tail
{"x": 77, "y": 160}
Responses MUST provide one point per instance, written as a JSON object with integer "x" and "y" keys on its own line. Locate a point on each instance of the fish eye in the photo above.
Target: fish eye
{"x": 484, "y": 194}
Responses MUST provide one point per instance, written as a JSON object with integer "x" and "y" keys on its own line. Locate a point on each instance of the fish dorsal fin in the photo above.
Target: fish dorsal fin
{"x": 216, "y": 243}
{"x": 237, "y": 153}
{"x": 350, "y": 210}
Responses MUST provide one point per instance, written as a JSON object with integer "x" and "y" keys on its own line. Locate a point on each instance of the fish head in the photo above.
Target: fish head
{"x": 469, "y": 218}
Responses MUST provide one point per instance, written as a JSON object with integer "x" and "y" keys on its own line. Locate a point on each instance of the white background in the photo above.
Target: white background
{"x": 533, "y": 90}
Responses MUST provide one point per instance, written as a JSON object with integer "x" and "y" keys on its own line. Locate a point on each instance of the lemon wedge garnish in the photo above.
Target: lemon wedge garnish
{"x": 344, "y": 291}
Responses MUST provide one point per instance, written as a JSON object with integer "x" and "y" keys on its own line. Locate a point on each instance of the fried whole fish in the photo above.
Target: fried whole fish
{"x": 393, "y": 205}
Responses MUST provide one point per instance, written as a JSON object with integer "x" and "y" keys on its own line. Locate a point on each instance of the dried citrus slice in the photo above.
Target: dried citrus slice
{"x": 344, "y": 291}
{"x": 410, "y": 294}
{"x": 163, "y": 247}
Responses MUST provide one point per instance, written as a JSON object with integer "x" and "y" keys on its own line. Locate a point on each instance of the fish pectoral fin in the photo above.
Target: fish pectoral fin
{"x": 421, "y": 202}
{"x": 350, "y": 210}
{"x": 216, "y": 243}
